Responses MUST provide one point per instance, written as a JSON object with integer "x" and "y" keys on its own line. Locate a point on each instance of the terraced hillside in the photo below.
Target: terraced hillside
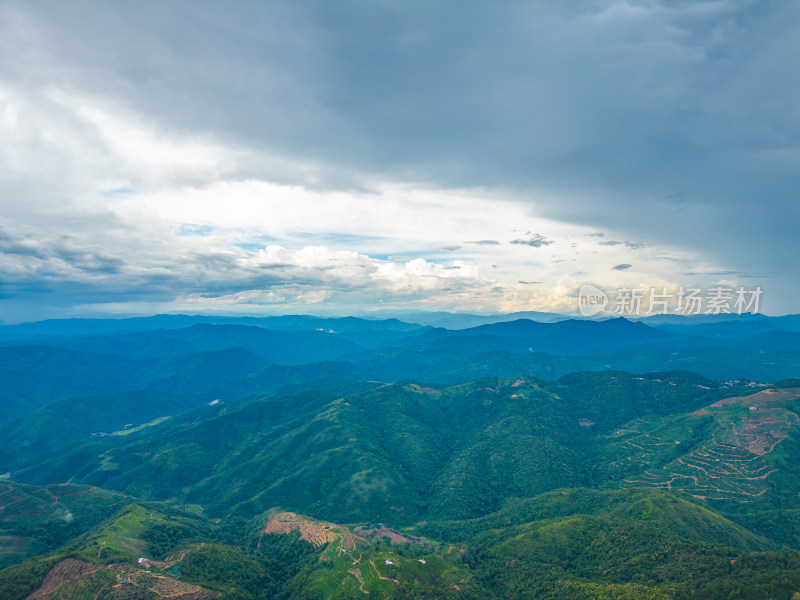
{"x": 35, "y": 519}
{"x": 727, "y": 452}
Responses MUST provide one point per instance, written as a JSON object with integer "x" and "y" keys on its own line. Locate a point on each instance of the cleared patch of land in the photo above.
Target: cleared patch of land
{"x": 140, "y": 427}
{"x": 318, "y": 533}
{"x": 70, "y": 573}
{"x": 395, "y": 537}
{"x": 423, "y": 390}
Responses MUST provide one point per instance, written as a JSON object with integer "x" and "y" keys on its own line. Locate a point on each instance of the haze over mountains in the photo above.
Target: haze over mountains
{"x": 233, "y": 358}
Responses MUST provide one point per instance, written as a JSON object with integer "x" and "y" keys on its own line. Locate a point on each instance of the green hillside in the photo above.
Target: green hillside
{"x": 574, "y": 543}
{"x": 399, "y": 452}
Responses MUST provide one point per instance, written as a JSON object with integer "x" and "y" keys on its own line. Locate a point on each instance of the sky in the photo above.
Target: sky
{"x": 364, "y": 157}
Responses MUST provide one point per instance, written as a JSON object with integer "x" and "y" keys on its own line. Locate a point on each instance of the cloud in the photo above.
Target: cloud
{"x": 627, "y": 244}
{"x": 484, "y": 243}
{"x": 713, "y": 273}
{"x": 535, "y": 241}
{"x": 191, "y": 229}
{"x": 25, "y": 259}
{"x": 622, "y": 267}
{"x": 212, "y": 276}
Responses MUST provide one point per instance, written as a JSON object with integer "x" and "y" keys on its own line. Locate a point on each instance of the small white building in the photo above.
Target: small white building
{"x": 389, "y": 562}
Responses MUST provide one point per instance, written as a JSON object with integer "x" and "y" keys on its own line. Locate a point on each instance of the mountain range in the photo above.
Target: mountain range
{"x": 301, "y": 457}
